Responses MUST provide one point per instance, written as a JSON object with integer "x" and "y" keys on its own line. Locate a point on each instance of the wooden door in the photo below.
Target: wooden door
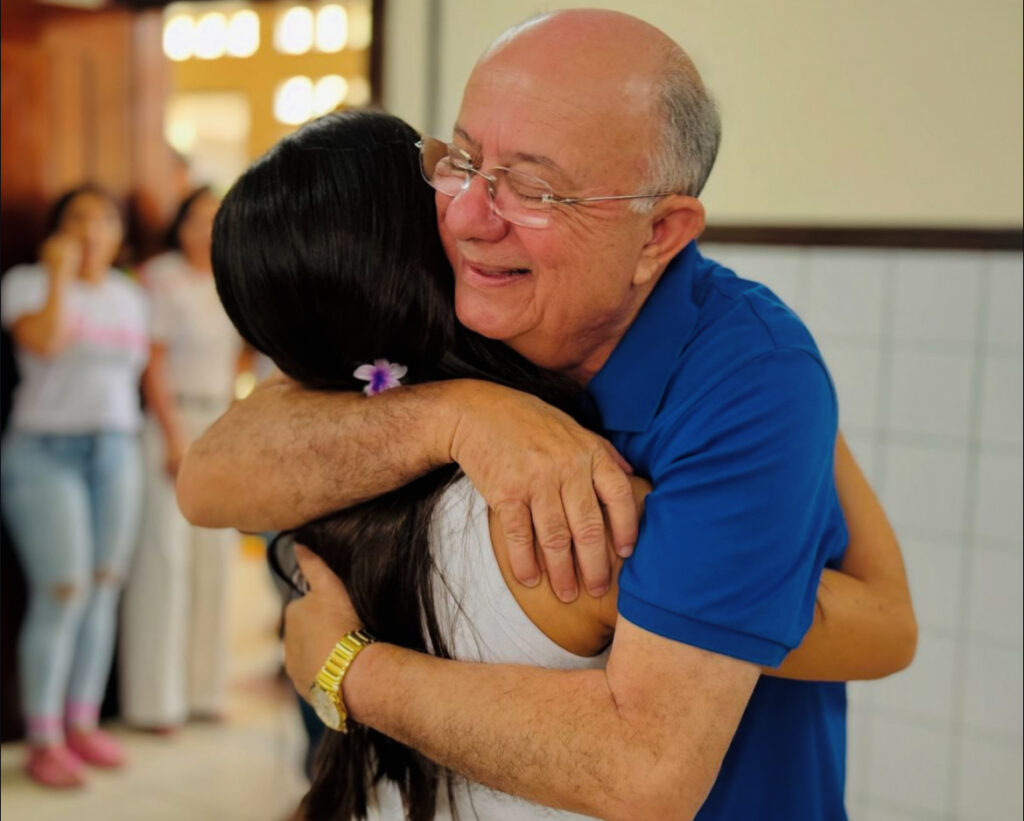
{"x": 82, "y": 99}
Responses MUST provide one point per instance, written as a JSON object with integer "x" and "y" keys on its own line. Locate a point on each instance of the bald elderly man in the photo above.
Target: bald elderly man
{"x": 705, "y": 383}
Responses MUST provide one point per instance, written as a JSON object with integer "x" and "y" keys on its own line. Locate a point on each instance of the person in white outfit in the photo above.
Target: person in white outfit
{"x": 174, "y": 640}
{"x": 327, "y": 259}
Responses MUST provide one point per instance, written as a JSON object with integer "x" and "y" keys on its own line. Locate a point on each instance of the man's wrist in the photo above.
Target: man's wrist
{"x": 358, "y": 683}
{"x": 448, "y": 402}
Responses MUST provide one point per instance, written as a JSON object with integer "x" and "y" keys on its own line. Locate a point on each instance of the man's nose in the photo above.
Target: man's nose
{"x": 471, "y": 214}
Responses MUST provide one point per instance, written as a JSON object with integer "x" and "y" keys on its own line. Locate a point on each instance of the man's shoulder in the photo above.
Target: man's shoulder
{"x": 742, "y": 325}
{"x": 733, "y": 307}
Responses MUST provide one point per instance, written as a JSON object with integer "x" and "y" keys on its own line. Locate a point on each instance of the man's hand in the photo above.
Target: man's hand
{"x": 542, "y": 472}
{"x": 286, "y": 455}
{"x": 314, "y": 623}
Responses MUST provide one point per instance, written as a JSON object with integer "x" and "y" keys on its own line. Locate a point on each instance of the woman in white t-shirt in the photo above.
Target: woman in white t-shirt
{"x": 72, "y": 474}
{"x": 327, "y": 259}
{"x": 174, "y": 633}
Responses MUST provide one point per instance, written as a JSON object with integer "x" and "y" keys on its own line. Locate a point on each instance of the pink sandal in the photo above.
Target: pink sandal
{"x": 55, "y": 766}
{"x": 96, "y": 747}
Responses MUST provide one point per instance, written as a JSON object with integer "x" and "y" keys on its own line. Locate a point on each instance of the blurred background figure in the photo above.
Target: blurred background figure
{"x": 71, "y": 474}
{"x": 175, "y": 626}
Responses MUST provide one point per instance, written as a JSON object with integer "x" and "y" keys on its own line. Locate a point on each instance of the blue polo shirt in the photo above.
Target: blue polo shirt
{"x": 718, "y": 393}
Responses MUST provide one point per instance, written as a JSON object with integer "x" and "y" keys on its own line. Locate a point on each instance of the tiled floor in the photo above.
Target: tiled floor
{"x": 246, "y": 768}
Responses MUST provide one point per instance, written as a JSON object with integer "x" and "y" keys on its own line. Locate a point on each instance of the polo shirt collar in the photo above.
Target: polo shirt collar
{"x": 630, "y": 385}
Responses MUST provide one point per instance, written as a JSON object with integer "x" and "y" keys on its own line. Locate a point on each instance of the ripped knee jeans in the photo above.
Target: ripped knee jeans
{"x": 72, "y": 505}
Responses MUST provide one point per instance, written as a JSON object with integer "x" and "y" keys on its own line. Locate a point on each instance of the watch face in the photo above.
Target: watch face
{"x": 325, "y": 708}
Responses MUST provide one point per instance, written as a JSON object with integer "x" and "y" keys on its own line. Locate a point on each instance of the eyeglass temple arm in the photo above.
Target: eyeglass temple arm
{"x": 574, "y": 200}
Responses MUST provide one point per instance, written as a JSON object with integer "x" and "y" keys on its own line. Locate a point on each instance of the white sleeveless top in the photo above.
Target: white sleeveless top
{"x": 481, "y": 621}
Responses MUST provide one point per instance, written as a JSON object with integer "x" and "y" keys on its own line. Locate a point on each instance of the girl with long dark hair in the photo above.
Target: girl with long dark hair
{"x": 327, "y": 259}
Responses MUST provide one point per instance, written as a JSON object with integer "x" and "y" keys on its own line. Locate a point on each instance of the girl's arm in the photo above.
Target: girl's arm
{"x": 864, "y": 625}
{"x": 157, "y": 391}
{"x": 45, "y": 332}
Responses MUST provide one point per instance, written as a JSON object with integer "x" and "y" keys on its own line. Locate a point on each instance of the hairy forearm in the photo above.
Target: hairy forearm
{"x": 285, "y": 455}
{"x": 559, "y": 738}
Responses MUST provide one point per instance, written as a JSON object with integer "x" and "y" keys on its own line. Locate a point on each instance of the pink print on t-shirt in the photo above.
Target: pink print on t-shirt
{"x": 122, "y": 337}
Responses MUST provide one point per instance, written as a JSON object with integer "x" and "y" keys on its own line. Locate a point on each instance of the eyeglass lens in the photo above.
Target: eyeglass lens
{"x": 519, "y": 198}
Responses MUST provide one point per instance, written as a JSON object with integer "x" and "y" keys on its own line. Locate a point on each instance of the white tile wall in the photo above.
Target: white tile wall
{"x": 995, "y": 594}
{"x": 926, "y": 690}
{"x": 1005, "y": 302}
{"x": 924, "y": 489}
{"x": 898, "y": 742}
{"x": 930, "y": 392}
{"x": 988, "y": 781}
{"x": 1000, "y": 491}
{"x": 934, "y": 568}
{"x": 936, "y": 296}
{"x": 845, "y": 290}
{"x": 857, "y": 373}
{"x": 1002, "y": 400}
{"x": 927, "y": 352}
{"x": 994, "y": 682}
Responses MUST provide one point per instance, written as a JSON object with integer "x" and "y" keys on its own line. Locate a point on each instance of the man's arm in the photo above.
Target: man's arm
{"x": 643, "y": 738}
{"x": 286, "y": 455}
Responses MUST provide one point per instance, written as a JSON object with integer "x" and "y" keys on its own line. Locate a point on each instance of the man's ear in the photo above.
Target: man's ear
{"x": 675, "y": 221}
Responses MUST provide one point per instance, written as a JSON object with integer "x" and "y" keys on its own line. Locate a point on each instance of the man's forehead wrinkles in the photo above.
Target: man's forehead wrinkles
{"x": 459, "y": 131}
{"x": 516, "y": 156}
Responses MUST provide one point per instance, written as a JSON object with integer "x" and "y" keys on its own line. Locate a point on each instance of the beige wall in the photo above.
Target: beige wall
{"x": 892, "y": 112}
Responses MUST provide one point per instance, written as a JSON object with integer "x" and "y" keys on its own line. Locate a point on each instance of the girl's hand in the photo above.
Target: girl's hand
{"x": 62, "y": 256}
{"x": 174, "y": 452}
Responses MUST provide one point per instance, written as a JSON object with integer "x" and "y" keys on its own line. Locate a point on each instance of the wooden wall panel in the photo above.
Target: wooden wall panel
{"x": 83, "y": 96}
{"x": 82, "y": 99}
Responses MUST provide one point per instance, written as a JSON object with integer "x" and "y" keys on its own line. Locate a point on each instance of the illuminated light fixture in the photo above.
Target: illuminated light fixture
{"x": 293, "y": 101}
{"x": 329, "y": 93}
{"x": 182, "y": 135}
{"x": 331, "y": 28}
{"x": 243, "y": 39}
{"x": 293, "y": 33}
{"x": 179, "y": 34}
{"x": 358, "y": 92}
{"x": 360, "y": 25}
{"x": 211, "y": 36}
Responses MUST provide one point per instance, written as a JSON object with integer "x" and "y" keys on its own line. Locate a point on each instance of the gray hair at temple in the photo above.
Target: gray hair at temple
{"x": 691, "y": 128}
{"x": 690, "y": 135}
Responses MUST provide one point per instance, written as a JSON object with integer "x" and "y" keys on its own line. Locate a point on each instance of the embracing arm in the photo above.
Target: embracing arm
{"x": 286, "y": 455}
{"x": 864, "y": 624}
{"x": 643, "y": 738}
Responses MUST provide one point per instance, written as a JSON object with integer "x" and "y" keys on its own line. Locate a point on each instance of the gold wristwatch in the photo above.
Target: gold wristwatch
{"x": 325, "y": 691}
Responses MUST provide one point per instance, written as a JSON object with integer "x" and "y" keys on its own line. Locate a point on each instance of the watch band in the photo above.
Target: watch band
{"x": 332, "y": 674}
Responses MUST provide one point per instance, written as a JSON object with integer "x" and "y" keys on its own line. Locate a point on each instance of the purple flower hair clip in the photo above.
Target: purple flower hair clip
{"x": 382, "y": 375}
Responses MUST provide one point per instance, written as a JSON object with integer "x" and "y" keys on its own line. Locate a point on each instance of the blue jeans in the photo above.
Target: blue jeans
{"x": 72, "y": 505}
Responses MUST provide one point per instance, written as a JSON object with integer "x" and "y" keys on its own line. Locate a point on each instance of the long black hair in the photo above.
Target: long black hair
{"x": 172, "y": 236}
{"x": 326, "y": 256}
{"x": 61, "y": 205}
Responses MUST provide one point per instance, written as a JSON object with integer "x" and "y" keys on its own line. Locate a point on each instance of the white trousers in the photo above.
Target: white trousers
{"x": 174, "y": 635}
